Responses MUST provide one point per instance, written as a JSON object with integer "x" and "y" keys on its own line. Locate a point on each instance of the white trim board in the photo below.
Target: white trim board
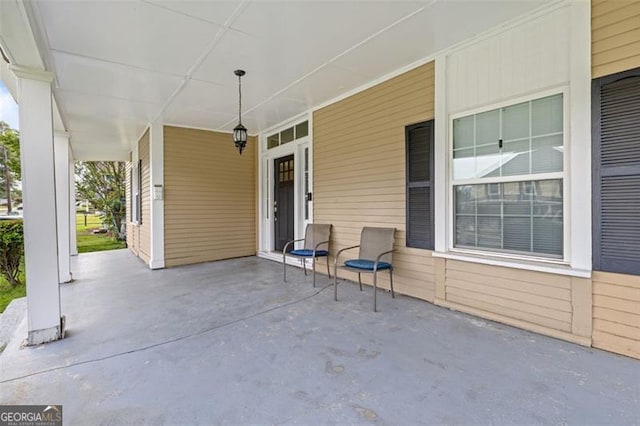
{"x": 548, "y": 267}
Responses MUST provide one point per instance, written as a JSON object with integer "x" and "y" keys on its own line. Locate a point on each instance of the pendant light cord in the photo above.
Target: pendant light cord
{"x": 239, "y": 99}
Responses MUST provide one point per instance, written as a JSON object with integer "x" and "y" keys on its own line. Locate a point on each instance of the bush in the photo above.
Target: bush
{"x": 11, "y": 250}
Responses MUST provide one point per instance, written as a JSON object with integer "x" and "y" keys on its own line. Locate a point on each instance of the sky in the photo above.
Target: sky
{"x": 8, "y": 107}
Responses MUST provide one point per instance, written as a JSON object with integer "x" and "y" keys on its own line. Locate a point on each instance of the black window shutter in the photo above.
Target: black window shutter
{"x": 419, "y": 152}
{"x": 616, "y": 177}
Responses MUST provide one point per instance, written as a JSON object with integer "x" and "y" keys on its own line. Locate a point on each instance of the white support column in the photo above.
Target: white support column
{"x": 156, "y": 155}
{"x": 441, "y": 156}
{"x": 580, "y": 134}
{"x": 61, "y": 153}
{"x": 73, "y": 238}
{"x": 39, "y": 198}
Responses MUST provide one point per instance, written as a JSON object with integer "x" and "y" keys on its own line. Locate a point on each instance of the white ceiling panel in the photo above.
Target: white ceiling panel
{"x": 119, "y": 63}
{"x": 97, "y": 77}
{"x": 283, "y": 41}
{"x": 472, "y": 17}
{"x": 105, "y": 141}
{"x": 106, "y": 107}
{"x": 322, "y": 86}
{"x": 198, "y": 118}
{"x": 270, "y": 113}
{"x": 432, "y": 28}
{"x": 269, "y": 68}
{"x": 99, "y": 152}
{"x": 331, "y": 27}
{"x": 216, "y": 12}
{"x": 215, "y": 97}
{"x": 122, "y": 129}
{"x": 127, "y": 32}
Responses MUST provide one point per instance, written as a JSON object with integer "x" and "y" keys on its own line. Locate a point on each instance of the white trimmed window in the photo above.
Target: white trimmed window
{"x": 507, "y": 179}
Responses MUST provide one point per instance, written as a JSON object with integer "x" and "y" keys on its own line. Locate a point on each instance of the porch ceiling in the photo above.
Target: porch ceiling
{"x": 119, "y": 65}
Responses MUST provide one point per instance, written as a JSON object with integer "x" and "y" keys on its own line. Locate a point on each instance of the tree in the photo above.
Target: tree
{"x": 9, "y": 150}
{"x": 103, "y": 184}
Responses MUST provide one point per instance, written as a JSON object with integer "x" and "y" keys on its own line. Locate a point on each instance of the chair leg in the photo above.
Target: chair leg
{"x": 284, "y": 266}
{"x": 335, "y": 280}
{"x": 304, "y": 266}
{"x": 360, "y": 281}
{"x": 313, "y": 263}
{"x": 393, "y": 295}
{"x": 375, "y": 291}
{"x": 328, "y": 273}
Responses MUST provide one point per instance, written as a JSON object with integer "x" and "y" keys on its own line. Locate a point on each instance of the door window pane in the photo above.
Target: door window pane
{"x": 306, "y": 183}
{"x": 286, "y": 136}
{"x": 273, "y": 141}
{"x": 302, "y": 129}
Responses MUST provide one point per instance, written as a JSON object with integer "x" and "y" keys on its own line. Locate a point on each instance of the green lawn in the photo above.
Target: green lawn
{"x": 7, "y": 293}
{"x": 88, "y": 242}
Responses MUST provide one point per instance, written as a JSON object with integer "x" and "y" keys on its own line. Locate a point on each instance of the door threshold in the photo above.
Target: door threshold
{"x": 276, "y": 256}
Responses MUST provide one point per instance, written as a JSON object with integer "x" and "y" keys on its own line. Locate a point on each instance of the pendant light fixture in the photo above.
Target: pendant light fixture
{"x": 240, "y": 132}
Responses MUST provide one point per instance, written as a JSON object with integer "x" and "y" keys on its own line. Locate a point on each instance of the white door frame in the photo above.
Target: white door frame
{"x": 266, "y": 187}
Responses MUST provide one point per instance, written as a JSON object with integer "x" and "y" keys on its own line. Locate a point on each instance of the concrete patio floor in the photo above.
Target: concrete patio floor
{"x": 229, "y": 343}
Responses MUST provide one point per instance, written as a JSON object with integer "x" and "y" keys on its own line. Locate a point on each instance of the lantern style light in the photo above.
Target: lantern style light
{"x": 240, "y": 132}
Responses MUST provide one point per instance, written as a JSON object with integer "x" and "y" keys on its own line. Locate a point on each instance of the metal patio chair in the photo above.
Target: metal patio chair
{"x": 375, "y": 254}
{"x": 316, "y": 244}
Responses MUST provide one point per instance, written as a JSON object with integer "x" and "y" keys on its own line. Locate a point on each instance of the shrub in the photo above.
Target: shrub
{"x": 11, "y": 250}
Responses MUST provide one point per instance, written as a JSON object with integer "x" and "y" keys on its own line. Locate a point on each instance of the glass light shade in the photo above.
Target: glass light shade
{"x": 240, "y": 137}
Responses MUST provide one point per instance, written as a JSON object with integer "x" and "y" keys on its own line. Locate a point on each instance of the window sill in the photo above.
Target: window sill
{"x": 550, "y": 267}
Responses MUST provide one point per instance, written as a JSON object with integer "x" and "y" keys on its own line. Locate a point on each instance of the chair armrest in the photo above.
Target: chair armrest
{"x": 315, "y": 249}
{"x": 375, "y": 265}
{"x": 284, "y": 250}
{"x": 335, "y": 259}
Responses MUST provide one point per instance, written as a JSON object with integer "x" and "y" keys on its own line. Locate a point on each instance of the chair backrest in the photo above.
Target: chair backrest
{"x": 374, "y": 241}
{"x": 316, "y": 233}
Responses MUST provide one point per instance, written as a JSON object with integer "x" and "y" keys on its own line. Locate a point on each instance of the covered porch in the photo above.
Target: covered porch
{"x": 229, "y": 342}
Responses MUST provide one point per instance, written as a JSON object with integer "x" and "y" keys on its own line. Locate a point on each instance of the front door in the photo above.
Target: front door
{"x": 283, "y": 203}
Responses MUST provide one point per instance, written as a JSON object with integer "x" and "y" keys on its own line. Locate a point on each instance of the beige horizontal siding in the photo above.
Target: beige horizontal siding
{"x": 616, "y": 313}
{"x": 210, "y": 197}
{"x": 615, "y": 37}
{"x": 359, "y": 171}
{"x": 144, "y": 243}
{"x": 532, "y": 297}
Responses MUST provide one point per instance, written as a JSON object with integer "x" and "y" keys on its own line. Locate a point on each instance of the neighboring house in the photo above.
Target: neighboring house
{"x": 509, "y": 165}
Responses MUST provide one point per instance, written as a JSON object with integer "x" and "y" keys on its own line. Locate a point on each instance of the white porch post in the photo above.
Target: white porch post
{"x": 580, "y": 133}
{"x": 441, "y": 144}
{"x": 61, "y": 153}
{"x": 38, "y": 192}
{"x": 73, "y": 241}
{"x": 156, "y": 155}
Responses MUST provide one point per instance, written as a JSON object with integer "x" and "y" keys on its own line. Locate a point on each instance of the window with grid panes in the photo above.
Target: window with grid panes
{"x": 507, "y": 179}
